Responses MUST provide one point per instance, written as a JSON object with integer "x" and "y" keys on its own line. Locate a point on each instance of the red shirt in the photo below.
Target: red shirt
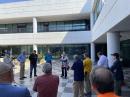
{"x": 110, "y": 94}
{"x": 46, "y": 85}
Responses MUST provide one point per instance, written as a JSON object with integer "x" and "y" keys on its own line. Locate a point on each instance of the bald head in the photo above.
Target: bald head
{"x": 102, "y": 79}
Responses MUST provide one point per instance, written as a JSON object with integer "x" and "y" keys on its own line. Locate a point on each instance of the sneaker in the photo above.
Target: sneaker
{"x": 61, "y": 76}
{"x": 21, "y": 78}
{"x": 24, "y": 77}
{"x": 35, "y": 75}
{"x": 66, "y": 77}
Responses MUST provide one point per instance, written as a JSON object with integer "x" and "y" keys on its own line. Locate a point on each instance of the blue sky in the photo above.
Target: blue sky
{"x": 7, "y": 1}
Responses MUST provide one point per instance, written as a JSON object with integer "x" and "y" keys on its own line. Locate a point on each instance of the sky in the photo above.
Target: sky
{"x": 7, "y": 1}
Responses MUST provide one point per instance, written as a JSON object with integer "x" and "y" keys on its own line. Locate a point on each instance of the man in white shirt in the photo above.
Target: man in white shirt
{"x": 103, "y": 61}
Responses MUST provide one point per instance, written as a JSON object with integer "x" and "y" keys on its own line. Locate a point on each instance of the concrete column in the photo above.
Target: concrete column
{"x": 91, "y": 20}
{"x": 23, "y": 49}
{"x": 93, "y": 52}
{"x": 113, "y": 45}
{"x": 34, "y": 25}
{"x": 11, "y": 53}
{"x": 34, "y": 31}
{"x": 35, "y": 47}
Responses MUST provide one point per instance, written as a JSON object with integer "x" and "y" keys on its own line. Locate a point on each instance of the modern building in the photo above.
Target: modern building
{"x": 73, "y": 26}
{"x": 110, "y": 20}
{"x": 55, "y": 25}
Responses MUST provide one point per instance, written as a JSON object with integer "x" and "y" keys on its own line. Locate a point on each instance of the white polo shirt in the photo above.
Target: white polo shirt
{"x": 103, "y": 61}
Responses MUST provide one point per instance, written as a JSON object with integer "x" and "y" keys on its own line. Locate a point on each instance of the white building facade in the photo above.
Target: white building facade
{"x": 110, "y": 24}
{"x": 56, "y": 25}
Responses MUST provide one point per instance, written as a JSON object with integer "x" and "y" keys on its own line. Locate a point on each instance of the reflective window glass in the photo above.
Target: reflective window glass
{"x": 52, "y": 26}
{"x": 60, "y": 26}
{"x": 68, "y": 26}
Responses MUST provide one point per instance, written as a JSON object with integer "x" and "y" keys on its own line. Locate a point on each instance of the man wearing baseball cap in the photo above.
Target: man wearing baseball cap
{"x": 6, "y": 87}
{"x": 117, "y": 72}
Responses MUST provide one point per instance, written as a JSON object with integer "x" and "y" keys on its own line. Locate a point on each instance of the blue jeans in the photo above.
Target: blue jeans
{"x": 64, "y": 72}
{"x": 32, "y": 66}
{"x": 49, "y": 61}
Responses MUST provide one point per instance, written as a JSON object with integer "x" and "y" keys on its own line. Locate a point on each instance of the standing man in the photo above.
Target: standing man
{"x": 103, "y": 61}
{"x": 48, "y": 58}
{"x": 6, "y": 87}
{"x": 46, "y": 85}
{"x": 87, "y": 62}
{"x": 102, "y": 82}
{"x": 22, "y": 58}
{"x": 118, "y": 73}
{"x": 33, "y": 63}
{"x": 64, "y": 59}
{"x": 78, "y": 85}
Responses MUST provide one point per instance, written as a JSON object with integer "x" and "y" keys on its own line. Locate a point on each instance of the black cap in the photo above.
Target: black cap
{"x": 116, "y": 55}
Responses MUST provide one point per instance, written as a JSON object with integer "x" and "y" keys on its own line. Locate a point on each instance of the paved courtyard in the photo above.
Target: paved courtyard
{"x": 65, "y": 86}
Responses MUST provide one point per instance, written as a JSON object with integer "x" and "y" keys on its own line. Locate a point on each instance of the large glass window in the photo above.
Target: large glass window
{"x": 16, "y": 28}
{"x": 52, "y": 26}
{"x": 21, "y": 27}
{"x": 46, "y": 26}
{"x": 40, "y": 27}
{"x": 97, "y": 9}
{"x": 75, "y": 25}
{"x": 79, "y": 25}
{"x": 60, "y": 26}
{"x": 68, "y": 26}
{"x": 70, "y": 49}
{"x": 3, "y": 28}
{"x": 29, "y": 27}
{"x": 15, "y": 50}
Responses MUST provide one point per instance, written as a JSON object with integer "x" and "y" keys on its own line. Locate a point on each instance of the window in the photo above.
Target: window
{"x": 68, "y": 26}
{"x": 40, "y": 27}
{"x": 46, "y": 27}
{"x": 74, "y": 25}
{"x": 29, "y": 27}
{"x": 16, "y": 28}
{"x": 97, "y": 9}
{"x": 60, "y": 26}
{"x": 52, "y": 26}
{"x": 21, "y": 27}
{"x": 79, "y": 25}
{"x": 3, "y": 28}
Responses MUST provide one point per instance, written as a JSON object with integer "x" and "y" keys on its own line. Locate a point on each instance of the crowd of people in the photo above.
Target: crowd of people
{"x": 104, "y": 80}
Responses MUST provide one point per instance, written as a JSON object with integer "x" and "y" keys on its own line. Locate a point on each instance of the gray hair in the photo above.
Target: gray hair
{"x": 76, "y": 57}
{"x": 4, "y": 68}
{"x": 47, "y": 68}
{"x": 103, "y": 79}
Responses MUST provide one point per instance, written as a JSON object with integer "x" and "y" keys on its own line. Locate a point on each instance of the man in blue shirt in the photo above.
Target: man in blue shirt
{"x": 78, "y": 84}
{"x": 48, "y": 58}
{"x": 22, "y": 58}
{"x": 6, "y": 87}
